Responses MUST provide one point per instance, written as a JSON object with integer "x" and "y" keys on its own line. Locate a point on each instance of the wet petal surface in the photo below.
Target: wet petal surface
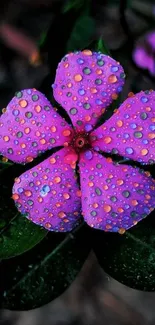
{"x": 30, "y": 125}
{"x": 130, "y": 132}
{"x": 49, "y": 194}
{"x": 114, "y": 197}
{"x": 86, "y": 83}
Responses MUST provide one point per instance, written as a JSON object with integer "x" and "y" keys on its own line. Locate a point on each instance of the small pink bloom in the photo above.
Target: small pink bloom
{"x": 144, "y": 53}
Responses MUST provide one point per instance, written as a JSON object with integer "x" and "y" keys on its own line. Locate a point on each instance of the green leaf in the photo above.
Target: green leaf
{"x": 5, "y": 164}
{"x": 82, "y": 33}
{"x": 129, "y": 258}
{"x": 17, "y": 234}
{"x": 45, "y": 272}
{"x": 42, "y": 39}
{"x": 101, "y": 47}
{"x": 76, "y": 4}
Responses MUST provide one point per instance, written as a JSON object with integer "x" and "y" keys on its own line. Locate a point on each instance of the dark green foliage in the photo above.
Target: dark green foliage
{"x": 35, "y": 278}
{"x": 17, "y": 234}
{"x": 129, "y": 258}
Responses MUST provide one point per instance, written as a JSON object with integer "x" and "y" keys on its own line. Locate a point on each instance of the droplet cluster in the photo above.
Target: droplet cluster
{"x": 114, "y": 197}
{"x": 130, "y": 132}
{"x": 29, "y": 126}
{"x": 48, "y": 194}
{"x": 85, "y": 84}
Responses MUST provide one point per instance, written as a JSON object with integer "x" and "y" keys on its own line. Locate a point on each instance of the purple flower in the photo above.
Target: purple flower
{"x": 111, "y": 197}
{"x": 144, "y": 53}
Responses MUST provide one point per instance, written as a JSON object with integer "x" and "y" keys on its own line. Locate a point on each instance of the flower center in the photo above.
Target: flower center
{"x": 80, "y": 142}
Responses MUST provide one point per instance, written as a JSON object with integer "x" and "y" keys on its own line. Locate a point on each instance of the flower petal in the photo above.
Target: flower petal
{"x": 114, "y": 197}
{"x": 143, "y": 59}
{"x": 130, "y": 132}
{"x": 49, "y": 194}
{"x": 150, "y": 38}
{"x": 86, "y": 83}
{"x": 30, "y": 125}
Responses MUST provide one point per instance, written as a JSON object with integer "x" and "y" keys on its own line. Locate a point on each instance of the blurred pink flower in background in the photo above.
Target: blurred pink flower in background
{"x": 144, "y": 53}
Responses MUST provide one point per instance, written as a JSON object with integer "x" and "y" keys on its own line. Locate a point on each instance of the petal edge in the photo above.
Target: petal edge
{"x": 114, "y": 197}
{"x": 85, "y": 85}
{"x": 48, "y": 194}
{"x": 30, "y": 125}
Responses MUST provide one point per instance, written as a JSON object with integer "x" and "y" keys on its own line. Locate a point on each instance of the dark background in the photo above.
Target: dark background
{"x": 94, "y": 298}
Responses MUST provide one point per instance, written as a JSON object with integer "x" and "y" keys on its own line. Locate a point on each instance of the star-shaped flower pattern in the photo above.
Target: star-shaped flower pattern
{"x": 112, "y": 197}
